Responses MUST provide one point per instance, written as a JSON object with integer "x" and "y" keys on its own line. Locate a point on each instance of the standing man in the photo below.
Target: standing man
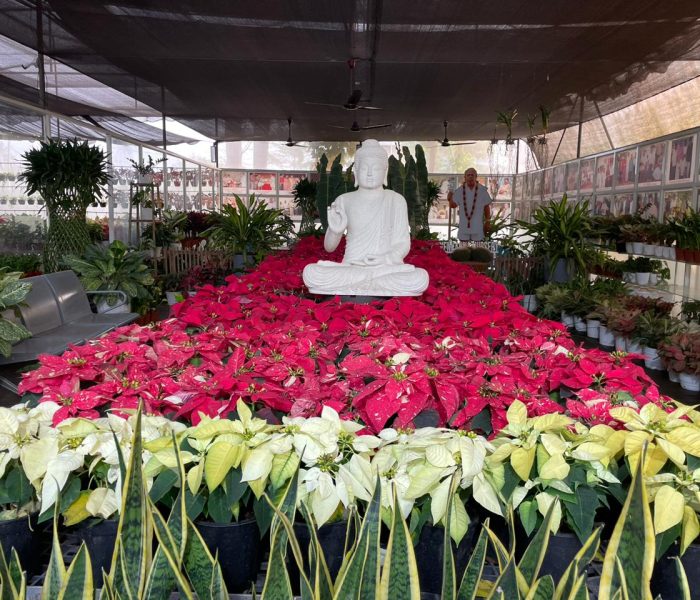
{"x": 473, "y": 201}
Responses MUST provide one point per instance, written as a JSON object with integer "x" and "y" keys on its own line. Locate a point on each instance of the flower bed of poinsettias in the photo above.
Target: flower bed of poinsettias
{"x": 458, "y": 355}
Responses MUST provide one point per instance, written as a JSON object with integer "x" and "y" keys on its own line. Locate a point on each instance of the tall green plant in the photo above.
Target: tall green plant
{"x": 305, "y": 199}
{"x": 251, "y": 231}
{"x": 559, "y": 230}
{"x": 69, "y": 175}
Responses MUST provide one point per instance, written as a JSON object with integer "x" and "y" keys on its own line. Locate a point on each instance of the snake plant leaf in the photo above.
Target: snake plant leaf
{"x": 400, "y": 571}
{"x": 132, "y": 545}
{"x": 161, "y": 580}
{"x": 277, "y": 584}
{"x": 542, "y": 589}
{"x": 531, "y": 562}
{"x": 449, "y": 577}
{"x": 632, "y": 544}
{"x": 198, "y": 561}
{"x": 682, "y": 579}
{"x": 166, "y": 570}
{"x": 581, "y": 561}
{"x": 363, "y": 563}
{"x": 320, "y": 576}
{"x": 78, "y": 584}
{"x": 475, "y": 567}
{"x": 56, "y": 571}
{"x": 506, "y": 586}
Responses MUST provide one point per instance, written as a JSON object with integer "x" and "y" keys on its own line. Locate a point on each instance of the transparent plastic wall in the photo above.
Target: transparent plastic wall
{"x": 656, "y": 179}
{"x": 22, "y": 218}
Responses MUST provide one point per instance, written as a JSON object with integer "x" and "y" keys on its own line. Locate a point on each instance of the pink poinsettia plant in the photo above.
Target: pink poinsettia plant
{"x": 458, "y": 356}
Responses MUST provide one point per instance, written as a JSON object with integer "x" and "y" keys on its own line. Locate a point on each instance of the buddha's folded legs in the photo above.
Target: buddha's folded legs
{"x": 347, "y": 280}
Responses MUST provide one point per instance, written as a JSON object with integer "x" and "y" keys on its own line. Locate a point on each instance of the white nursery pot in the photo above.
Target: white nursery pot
{"x": 659, "y": 251}
{"x": 606, "y": 337}
{"x": 174, "y": 297}
{"x": 629, "y": 248}
{"x": 673, "y": 376}
{"x": 649, "y": 249}
{"x": 652, "y": 360}
{"x": 633, "y": 347}
{"x": 620, "y": 343}
{"x": 146, "y": 179}
{"x": 642, "y": 278}
{"x": 568, "y": 320}
{"x": 593, "y": 328}
{"x": 638, "y": 247}
{"x": 530, "y": 302}
{"x": 579, "y": 324}
{"x": 690, "y": 382}
{"x": 653, "y": 279}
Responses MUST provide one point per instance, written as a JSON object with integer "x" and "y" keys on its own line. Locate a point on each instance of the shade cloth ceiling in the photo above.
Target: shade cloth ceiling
{"x": 238, "y": 70}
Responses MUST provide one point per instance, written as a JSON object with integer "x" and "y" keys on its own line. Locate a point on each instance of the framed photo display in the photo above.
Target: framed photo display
{"x": 681, "y": 160}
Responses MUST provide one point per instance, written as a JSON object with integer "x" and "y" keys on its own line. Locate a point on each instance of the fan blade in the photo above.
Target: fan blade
{"x": 377, "y": 126}
{"x": 339, "y": 126}
{"x": 461, "y": 143}
{"x": 325, "y": 104}
{"x": 367, "y": 108}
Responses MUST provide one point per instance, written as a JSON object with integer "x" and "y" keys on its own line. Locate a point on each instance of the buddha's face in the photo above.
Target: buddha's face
{"x": 370, "y": 172}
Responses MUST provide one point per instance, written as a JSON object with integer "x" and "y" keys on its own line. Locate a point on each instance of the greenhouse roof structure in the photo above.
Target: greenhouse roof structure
{"x": 239, "y": 70}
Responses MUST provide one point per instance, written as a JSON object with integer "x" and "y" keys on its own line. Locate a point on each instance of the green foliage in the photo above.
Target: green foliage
{"x": 558, "y": 231}
{"x": 408, "y": 176}
{"x": 167, "y": 231}
{"x": 253, "y": 231}
{"x": 69, "y": 176}
{"x": 113, "y": 267}
{"x": 13, "y": 291}
{"x": 305, "y": 199}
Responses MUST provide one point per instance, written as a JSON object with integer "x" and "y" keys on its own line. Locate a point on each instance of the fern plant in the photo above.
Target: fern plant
{"x": 13, "y": 291}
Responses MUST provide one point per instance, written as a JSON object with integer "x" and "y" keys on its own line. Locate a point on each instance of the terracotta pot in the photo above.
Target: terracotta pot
{"x": 680, "y": 254}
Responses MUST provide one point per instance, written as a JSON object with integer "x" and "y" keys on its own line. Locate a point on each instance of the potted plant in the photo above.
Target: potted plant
{"x": 145, "y": 170}
{"x": 167, "y": 231}
{"x": 173, "y": 289}
{"x": 249, "y": 233}
{"x": 69, "y": 176}
{"x": 558, "y": 231}
{"x": 113, "y": 267}
{"x": 305, "y": 199}
{"x": 690, "y": 311}
{"x": 650, "y": 330}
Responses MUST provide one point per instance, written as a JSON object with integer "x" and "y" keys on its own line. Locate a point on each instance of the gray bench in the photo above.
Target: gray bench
{"x": 57, "y": 312}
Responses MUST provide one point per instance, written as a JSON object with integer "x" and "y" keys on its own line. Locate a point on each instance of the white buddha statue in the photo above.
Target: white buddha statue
{"x": 377, "y": 240}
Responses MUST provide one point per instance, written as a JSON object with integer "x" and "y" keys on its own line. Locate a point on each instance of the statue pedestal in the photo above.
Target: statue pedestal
{"x": 363, "y": 299}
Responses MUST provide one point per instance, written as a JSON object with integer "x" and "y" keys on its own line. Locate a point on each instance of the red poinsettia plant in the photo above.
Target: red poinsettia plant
{"x": 458, "y": 356}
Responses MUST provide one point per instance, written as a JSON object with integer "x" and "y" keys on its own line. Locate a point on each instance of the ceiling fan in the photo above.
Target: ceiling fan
{"x": 357, "y": 127}
{"x": 445, "y": 143}
{"x": 291, "y": 143}
{"x": 354, "y": 100}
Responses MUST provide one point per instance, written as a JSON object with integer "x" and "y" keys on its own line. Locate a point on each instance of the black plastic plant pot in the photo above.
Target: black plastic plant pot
{"x": 664, "y": 581}
{"x": 561, "y": 550}
{"x": 238, "y": 548}
{"x": 21, "y": 535}
{"x": 99, "y": 538}
{"x": 429, "y": 549}
{"x": 331, "y": 536}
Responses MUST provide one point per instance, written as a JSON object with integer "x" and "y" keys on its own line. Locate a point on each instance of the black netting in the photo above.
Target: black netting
{"x": 237, "y": 70}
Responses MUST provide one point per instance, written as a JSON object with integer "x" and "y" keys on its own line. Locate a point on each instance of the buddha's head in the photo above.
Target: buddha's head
{"x": 371, "y": 164}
